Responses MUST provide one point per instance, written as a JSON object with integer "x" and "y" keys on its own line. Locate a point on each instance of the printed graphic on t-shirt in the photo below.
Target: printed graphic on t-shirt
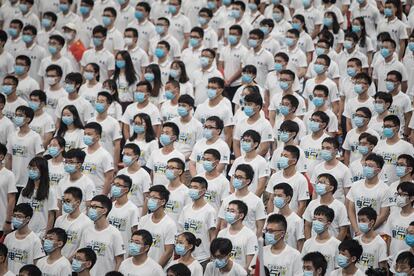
{"x": 119, "y": 223}
{"x": 277, "y": 270}
{"x": 19, "y": 150}
{"x": 363, "y": 201}
{"x": 89, "y": 168}
{"x": 18, "y": 255}
{"x": 192, "y": 225}
{"x": 99, "y": 247}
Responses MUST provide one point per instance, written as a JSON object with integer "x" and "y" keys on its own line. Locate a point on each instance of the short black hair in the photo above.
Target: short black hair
{"x": 31, "y": 270}
{"x": 254, "y": 135}
{"x": 406, "y": 257}
{"x": 323, "y": 116}
{"x": 369, "y": 212}
{"x": 219, "y": 122}
{"x": 353, "y": 247}
{"x": 186, "y": 99}
{"x": 294, "y": 150}
{"x": 393, "y": 118}
{"x": 215, "y": 153}
{"x": 222, "y": 245}
{"x": 24, "y": 208}
{"x": 78, "y": 154}
{"x": 126, "y": 179}
{"x": 134, "y": 147}
{"x": 331, "y": 179}
{"x": 90, "y": 255}
{"x": 408, "y": 159}
{"x": 248, "y": 170}
{"x": 200, "y": 180}
{"x": 241, "y": 207}
{"x": 162, "y": 191}
{"x": 173, "y": 126}
{"x": 317, "y": 260}
{"x": 376, "y": 158}
{"x": 178, "y": 161}
{"x": 3, "y": 150}
{"x": 27, "y": 111}
{"x": 373, "y": 140}
{"x": 179, "y": 269}
{"x": 324, "y": 210}
{"x": 40, "y": 94}
{"x": 331, "y": 140}
{"x": 3, "y": 250}
{"x": 105, "y": 201}
{"x": 285, "y": 187}
{"x": 75, "y": 192}
{"x": 279, "y": 219}
{"x": 60, "y": 234}
{"x": 95, "y": 126}
{"x": 146, "y": 236}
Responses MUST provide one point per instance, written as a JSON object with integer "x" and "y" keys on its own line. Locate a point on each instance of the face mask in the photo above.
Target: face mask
{"x": 169, "y": 174}
{"x": 211, "y": 93}
{"x": 17, "y": 223}
{"x": 34, "y": 175}
{"x": 358, "y": 121}
{"x": 379, "y": 108}
{"x": 363, "y": 150}
{"x": 363, "y": 227}
{"x": 307, "y": 273}
{"x": 134, "y": 249}
{"x": 127, "y": 160}
{"x": 388, "y": 132}
{"x": 19, "y": 69}
{"x": 53, "y": 151}
{"x": 296, "y": 26}
{"x": 165, "y": 139}
{"x": 351, "y": 72}
{"x": 318, "y": 226}
{"x": 23, "y": 8}
{"x": 84, "y": 10}
{"x": 314, "y": 126}
{"x": 128, "y": 41}
{"x": 270, "y": 239}
{"x": 320, "y": 189}
{"x": 69, "y": 88}
{"x": 347, "y": 44}
{"x": 182, "y": 111}
{"x": 326, "y": 155}
{"x": 204, "y": 62}
{"x": 63, "y": 7}
{"x": 52, "y": 50}
{"x": 211, "y": 5}
{"x": 319, "y": 51}
{"x": 180, "y": 249}
{"x": 116, "y": 192}
{"x": 235, "y": 14}
{"x": 400, "y": 170}
{"x": 246, "y": 78}
{"x": 252, "y": 43}
{"x": 48, "y": 246}
{"x": 67, "y": 120}
{"x": 284, "y": 137}
{"x": 68, "y": 208}
{"x": 139, "y": 97}
{"x": 265, "y": 30}
{"x": 93, "y": 214}
{"x": 138, "y": 129}
{"x": 402, "y": 201}
{"x": 88, "y": 140}
{"x": 96, "y": 41}
{"x": 139, "y": 15}
{"x": 277, "y": 17}
{"x": 7, "y": 89}
{"x": 220, "y": 263}
{"x": 194, "y": 194}
{"x": 389, "y": 86}
{"x": 327, "y": 21}
{"x": 169, "y": 95}
{"x": 51, "y": 81}
{"x": 172, "y": 9}
{"x": 207, "y": 133}
{"x": 282, "y": 162}
{"x": 411, "y": 46}
{"x": 279, "y": 202}
{"x": 12, "y": 32}
{"x": 252, "y": 6}
{"x": 246, "y": 146}
{"x": 356, "y": 28}
{"x": 120, "y": 64}
{"x": 358, "y": 88}
{"x": 88, "y": 76}
{"x": 77, "y": 266}
{"x": 284, "y": 110}
{"x": 238, "y": 184}
{"x": 232, "y": 39}
{"x": 409, "y": 240}
{"x": 230, "y": 217}
{"x": 208, "y": 166}
{"x": 34, "y": 105}
{"x": 149, "y": 77}
{"x": 284, "y": 85}
{"x": 384, "y": 52}
{"x": 342, "y": 261}
{"x": 388, "y": 12}
{"x": 289, "y": 41}
{"x": 306, "y": 3}
{"x": 174, "y": 73}
{"x": 69, "y": 168}
{"x": 278, "y": 67}
{"x": 368, "y": 172}
{"x": 152, "y": 204}
{"x": 318, "y": 101}
{"x": 106, "y": 20}
{"x": 318, "y": 68}
{"x": 100, "y": 107}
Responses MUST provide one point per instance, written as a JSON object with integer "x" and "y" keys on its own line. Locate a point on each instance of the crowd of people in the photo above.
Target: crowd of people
{"x": 206, "y": 137}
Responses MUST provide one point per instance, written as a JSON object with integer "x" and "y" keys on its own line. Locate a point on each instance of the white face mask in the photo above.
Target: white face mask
{"x": 50, "y": 81}
{"x": 402, "y": 201}
{"x": 128, "y": 41}
{"x": 68, "y": 36}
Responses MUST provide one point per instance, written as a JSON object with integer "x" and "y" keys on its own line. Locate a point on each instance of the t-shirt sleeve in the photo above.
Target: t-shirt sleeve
{"x": 52, "y": 201}
{"x": 108, "y": 163}
{"x": 171, "y": 231}
{"x": 38, "y": 249}
{"x": 119, "y": 246}
{"x": 307, "y": 216}
{"x": 300, "y": 230}
{"x": 303, "y": 190}
{"x": 347, "y": 178}
{"x": 11, "y": 186}
{"x": 38, "y": 145}
{"x": 252, "y": 245}
{"x": 260, "y": 210}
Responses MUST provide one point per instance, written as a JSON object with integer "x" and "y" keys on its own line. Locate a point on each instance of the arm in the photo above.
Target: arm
{"x": 269, "y": 206}
{"x": 259, "y": 227}
{"x": 383, "y": 215}
{"x": 261, "y": 186}
{"x": 192, "y": 168}
{"x": 352, "y": 217}
{"x": 299, "y": 244}
{"x": 342, "y": 233}
{"x": 346, "y": 157}
{"x": 125, "y": 130}
{"x": 168, "y": 251}
{"x": 109, "y": 175}
{"x": 46, "y": 139}
{"x": 301, "y": 72}
{"x": 50, "y": 219}
{"x": 404, "y": 86}
{"x": 228, "y": 132}
{"x": 117, "y": 153}
{"x": 263, "y": 148}
{"x": 11, "y": 201}
{"x": 336, "y": 109}
{"x": 348, "y": 124}
{"x": 407, "y": 117}
{"x": 272, "y": 117}
{"x": 402, "y": 50}
{"x": 186, "y": 39}
{"x": 8, "y": 161}
{"x": 316, "y": 31}
{"x": 308, "y": 230}
{"x": 59, "y": 204}
{"x": 309, "y": 57}
{"x": 118, "y": 261}
{"x": 249, "y": 259}
{"x": 236, "y": 148}
{"x": 301, "y": 207}
{"x": 212, "y": 233}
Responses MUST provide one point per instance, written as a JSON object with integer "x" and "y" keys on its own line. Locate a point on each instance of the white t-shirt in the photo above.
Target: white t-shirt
{"x": 84, "y": 108}
{"x": 244, "y": 243}
{"x": 84, "y": 183}
{"x": 149, "y": 267}
{"x": 111, "y": 132}
{"x": 190, "y": 133}
{"x": 312, "y": 149}
{"x": 90, "y": 93}
{"x": 201, "y": 146}
{"x": 163, "y": 233}
{"x": 74, "y": 139}
{"x": 294, "y": 231}
{"x": 373, "y": 252}
{"x": 199, "y": 222}
{"x": 299, "y": 184}
{"x": 146, "y": 149}
{"x": 195, "y": 267}
{"x": 221, "y": 110}
{"x": 356, "y": 170}
{"x": 339, "y": 272}
{"x": 74, "y": 229}
{"x": 157, "y": 162}
{"x": 107, "y": 244}
{"x": 96, "y": 165}
{"x": 60, "y": 267}
{"x": 340, "y": 219}
{"x": 124, "y": 218}
{"x": 396, "y": 227}
{"x": 256, "y": 210}
{"x": 328, "y": 249}
{"x": 218, "y": 189}
{"x": 41, "y": 209}
{"x": 178, "y": 199}
{"x": 56, "y": 173}
{"x": 22, "y": 149}
{"x": 7, "y": 186}
{"x": 53, "y": 98}
{"x": 236, "y": 270}
{"x": 141, "y": 182}
{"x": 23, "y": 252}
{"x": 6, "y": 129}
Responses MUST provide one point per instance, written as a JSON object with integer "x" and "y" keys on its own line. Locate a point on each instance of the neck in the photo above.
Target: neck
{"x": 139, "y": 259}
{"x": 350, "y": 269}
{"x": 292, "y": 47}
{"x": 257, "y": 49}
{"x": 143, "y": 104}
{"x": 285, "y": 211}
{"x": 134, "y": 167}
{"x": 237, "y": 226}
{"x": 121, "y": 201}
{"x": 327, "y": 198}
{"x": 389, "y": 58}
{"x": 199, "y": 202}
{"x": 372, "y": 181}
{"x": 159, "y": 213}
{"x": 251, "y": 154}
{"x": 213, "y": 174}
{"x": 102, "y": 116}
{"x": 84, "y": 273}
{"x": 393, "y": 139}
{"x": 94, "y": 147}
{"x": 23, "y": 76}
{"x": 101, "y": 223}
{"x": 24, "y": 129}
{"x": 406, "y": 178}
{"x": 317, "y": 134}
{"x": 73, "y": 96}
{"x": 212, "y": 140}
{"x": 206, "y": 68}
{"x": 242, "y": 192}
{"x": 363, "y": 96}
{"x": 75, "y": 176}
{"x": 362, "y": 129}
{"x": 321, "y": 77}
{"x": 175, "y": 183}
{"x": 38, "y": 112}
{"x": 168, "y": 148}
{"x": 132, "y": 46}
{"x": 323, "y": 236}
{"x": 99, "y": 47}
{"x": 255, "y": 117}
{"x": 289, "y": 171}
{"x": 3, "y": 268}
{"x": 12, "y": 97}
{"x": 75, "y": 214}
{"x": 186, "y": 119}
{"x": 55, "y": 255}
{"x": 24, "y": 230}
{"x": 279, "y": 245}
{"x": 332, "y": 162}
{"x": 407, "y": 209}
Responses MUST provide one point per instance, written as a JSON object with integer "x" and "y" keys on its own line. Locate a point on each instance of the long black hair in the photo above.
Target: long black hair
{"x": 76, "y": 120}
{"x": 130, "y": 73}
{"x": 183, "y": 76}
{"x": 149, "y": 130}
{"x": 363, "y": 37}
{"x": 43, "y": 191}
{"x": 95, "y": 69}
{"x": 335, "y": 24}
{"x": 113, "y": 89}
{"x": 157, "y": 83}
{"x": 301, "y": 18}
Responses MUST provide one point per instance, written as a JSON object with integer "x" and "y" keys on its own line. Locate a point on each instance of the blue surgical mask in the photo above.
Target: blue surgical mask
{"x": 52, "y": 49}
{"x": 277, "y": 16}
{"x": 68, "y": 208}
{"x": 306, "y": 3}
{"x": 19, "y": 69}
{"x": 17, "y": 223}
{"x": 194, "y": 194}
{"x": 279, "y": 202}
{"x": 388, "y": 132}
{"x": 270, "y": 238}
{"x": 326, "y": 155}
{"x": 358, "y": 88}
{"x": 320, "y": 189}
{"x": 100, "y": 107}
{"x": 88, "y": 140}
{"x": 284, "y": 136}
{"x": 319, "y": 68}
{"x": 169, "y": 95}
{"x": 84, "y": 10}
{"x": 307, "y": 273}
{"x": 232, "y": 39}
{"x": 149, "y": 77}
{"x": 246, "y": 146}
{"x": 400, "y": 170}
{"x": 368, "y": 172}
{"x": 27, "y": 38}
{"x": 207, "y": 133}
{"x": 182, "y": 111}
{"x": 264, "y": 29}
{"x": 202, "y": 20}
{"x": 230, "y": 217}
{"x": 282, "y": 162}
{"x": 174, "y": 73}
{"x": 139, "y": 15}
{"x": 348, "y": 44}
{"x": 97, "y": 41}
{"x": 134, "y": 249}
{"x": 12, "y": 32}
{"x": 7, "y": 89}
{"x": 67, "y": 120}
{"x": 318, "y": 101}
{"x": 252, "y": 43}
{"x": 284, "y": 110}
{"x": 34, "y": 174}
{"x": 289, "y": 41}
{"x": 89, "y": 75}
{"x": 220, "y": 263}
{"x": 235, "y": 14}
{"x": 139, "y": 97}
{"x": 138, "y": 129}
{"x": 314, "y": 126}
{"x": 34, "y": 105}
{"x": 384, "y": 52}
{"x": 48, "y": 246}
{"x": 411, "y": 46}
{"x": 194, "y": 42}
{"x": 93, "y": 214}
{"x": 238, "y": 184}
{"x": 363, "y": 150}
{"x": 318, "y": 226}
{"x": 204, "y": 61}
{"x": 165, "y": 139}
{"x": 409, "y": 240}
{"x": 342, "y": 261}
{"x": 127, "y": 160}
{"x": 77, "y": 266}
{"x": 152, "y": 204}
{"x": 319, "y": 51}
{"x": 211, "y": 5}
{"x": 169, "y": 174}
{"x": 390, "y": 86}
{"x": 106, "y": 20}
{"x": 284, "y": 85}
{"x": 356, "y": 28}
{"x": 327, "y": 21}
{"x": 363, "y": 227}
{"x": 53, "y": 151}
{"x": 248, "y": 111}
{"x": 296, "y": 26}
{"x": 379, "y": 108}
{"x": 208, "y": 165}
{"x": 120, "y": 64}
{"x": 159, "y": 52}
{"x": 172, "y": 9}
{"x": 246, "y": 78}
{"x": 116, "y": 191}
{"x": 180, "y": 249}
{"x": 388, "y": 12}
{"x": 63, "y": 7}
{"x": 70, "y": 168}
{"x": 278, "y": 67}
{"x": 358, "y": 121}
{"x": 351, "y": 72}
{"x": 159, "y": 29}
{"x": 211, "y": 93}
{"x": 69, "y": 88}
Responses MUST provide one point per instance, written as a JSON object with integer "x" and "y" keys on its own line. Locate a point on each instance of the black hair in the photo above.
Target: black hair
{"x": 376, "y": 158}
{"x": 134, "y": 147}
{"x": 248, "y": 170}
{"x": 60, "y": 234}
{"x": 323, "y": 116}
{"x": 75, "y": 192}
{"x": 406, "y": 187}
{"x": 43, "y": 191}
{"x": 78, "y": 154}
{"x": 183, "y": 76}
{"x": 145, "y": 235}
{"x": 95, "y": 126}
{"x": 324, "y": 210}
{"x": 40, "y": 94}
{"x": 130, "y": 73}
{"x": 179, "y": 269}
{"x": 200, "y": 180}
{"x": 294, "y": 150}
{"x": 406, "y": 257}
{"x": 26, "y": 60}
{"x": 290, "y": 126}
{"x": 218, "y": 122}
{"x": 353, "y": 247}
{"x": 100, "y": 30}
{"x": 157, "y": 83}
{"x": 369, "y": 212}
{"x": 279, "y": 219}
{"x": 30, "y": 28}
{"x": 179, "y": 162}
{"x": 126, "y": 179}
{"x": 318, "y": 261}
{"x": 215, "y": 153}
{"x": 292, "y": 100}
{"x": 31, "y": 270}
{"x": 254, "y": 135}
{"x": 55, "y": 67}
{"x": 58, "y": 38}
{"x": 254, "y": 96}
{"x": 222, "y": 245}
{"x": 186, "y": 99}
{"x": 326, "y": 58}
{"x": 257, "y": 32}
{"x": 241, "y": 207}
{"x": 162, "y": 191}
{"x": 174, "y": 127}
{"x": 408, "y": 159}
{"x": 90, "y": 255}
{"x": 363, "y": 76}
{"x": 149, "y": 130}
{"x": 27, "y": 111}
{"x": 373, "y": 140}
{"x": 323, "y": 88}
{"x": 24, "y": 208}
{"x": 191, "y": 239}
{"x": 3, "y": 150}
{"x": 105, "y": 201}
{"x": 237, "y": 28}
{"x": 386, "y": 97}
{"x": 108, "y": 97}
{"x": 394, "y": 119}
{"x": 217, "y": 80}
{"x": 331, "y": 179}
{"x": 285, "y": 187}
{"x": 331, "y": 140}
{"x": 3, "y": 250}
{"x": 335, "y": 24}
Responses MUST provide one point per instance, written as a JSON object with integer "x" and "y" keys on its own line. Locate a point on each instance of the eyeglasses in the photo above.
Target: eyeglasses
{"x": 239, "y": 177}
{"x": 210, "y": 127}
{"x": 96, "y": 207}
{"x": 153, "y": 197}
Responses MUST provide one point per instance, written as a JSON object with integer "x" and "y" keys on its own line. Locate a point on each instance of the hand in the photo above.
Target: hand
{"x": 357, "y": 233}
